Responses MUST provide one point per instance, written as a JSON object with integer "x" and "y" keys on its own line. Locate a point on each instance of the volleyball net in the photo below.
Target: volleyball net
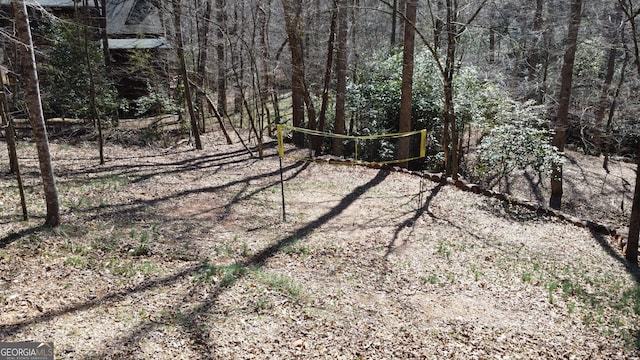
{"x": 381, "y": 149}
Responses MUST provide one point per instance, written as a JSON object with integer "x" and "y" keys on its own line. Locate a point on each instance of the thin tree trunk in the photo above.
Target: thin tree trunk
{"x": 221, "y": 19}
{"x": 203, "y": 52}
{"x": 92, "y": 83}
{"x": 7, "y": 124}
{"x": 406, "y": 96}
{"x": 450, "y": 136}
{"x": 341, "y": 69}
{"x": 562, "y": 122}
{"x": 293, "y": 22}
{"x": 36, "y": 116}
{"x": 317, "y": 141}
{"x": 608, "y": 72}
{"x": 264, "y": 14}
{"x": 612, "y": 110}
{"x": 631, "y": 251}
{"x": 177, "y": 12}
{"x": 394, "y": 26}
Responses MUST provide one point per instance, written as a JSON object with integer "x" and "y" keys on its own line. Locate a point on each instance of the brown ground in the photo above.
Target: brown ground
{"x": 170, "y": 253}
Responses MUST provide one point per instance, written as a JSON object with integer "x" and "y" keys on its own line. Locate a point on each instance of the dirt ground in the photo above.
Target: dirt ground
{"x": 172, "y": 253}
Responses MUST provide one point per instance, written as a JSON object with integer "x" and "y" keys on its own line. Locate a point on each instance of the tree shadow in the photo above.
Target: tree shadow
{"x": 193, "y": 321}
{"x": 632, "y": 269}
{"x": 424, "y": 207}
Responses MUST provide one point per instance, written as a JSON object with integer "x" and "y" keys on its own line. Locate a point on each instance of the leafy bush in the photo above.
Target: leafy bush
{"x": 517, "y": 138}
{"x": 375, "y": 100}
{"x": 65, "y": 80}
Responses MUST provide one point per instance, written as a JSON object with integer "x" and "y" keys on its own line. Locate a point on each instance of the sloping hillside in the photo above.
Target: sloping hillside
{"x": 181, "y": 254}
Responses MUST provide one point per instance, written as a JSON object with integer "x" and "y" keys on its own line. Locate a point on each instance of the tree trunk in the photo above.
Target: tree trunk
{"x": 341, "y": 69}
{"x": 221, "y": 19}
{"x": 36, "y": 116}
{"x": 7, "y": 124}
{"x": 266, "y": 88}
{"x": 177, "y": 13}
{"x": 562, "y": 122}
{"x": 317, "y": 141}
{"x": 293, "y": 23}
{"x": 394, "y": 25}
{"x": 631, "y": 251}
{"x": 450, "y": 135}
{"x": 406, "y": 96}
{"x": 203, "y": 48}
{"x": 97, "y": 121}
{"x": 608, "y": 72}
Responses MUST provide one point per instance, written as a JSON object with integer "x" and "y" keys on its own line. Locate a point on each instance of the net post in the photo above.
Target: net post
{"x": 281, "y": 155}
{"x": 423, "y": 143}
{"x": 284, "y": 213}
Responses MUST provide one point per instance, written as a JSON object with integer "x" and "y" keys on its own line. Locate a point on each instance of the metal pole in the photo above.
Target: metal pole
{"x": 284, "y": 214}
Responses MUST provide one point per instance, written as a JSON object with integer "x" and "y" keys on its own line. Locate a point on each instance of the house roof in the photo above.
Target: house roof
{"x": 124, "y": 17}
{"x": 49, "y": 3}
{"x": 124, "y": 44}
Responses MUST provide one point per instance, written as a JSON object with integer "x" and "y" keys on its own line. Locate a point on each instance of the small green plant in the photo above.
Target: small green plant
{"x": 476, "y": 273}
{"x": 74, "y": 261}
{"x": 526, "y": 276}
{"x": 551, "y": 288}
{"x": 224, "y": 275}
{"x": 281, "y": 283}
{"x": 431, "y": 279}
{"x": 261, "y": 304}
{"x": 244, "y": 250}
{"x": 443, "y": 249}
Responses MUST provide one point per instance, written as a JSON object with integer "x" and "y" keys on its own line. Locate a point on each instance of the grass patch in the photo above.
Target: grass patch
{"x": 222, "y": 275}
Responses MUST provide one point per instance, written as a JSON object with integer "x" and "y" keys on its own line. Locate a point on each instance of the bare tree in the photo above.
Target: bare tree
{"x": 36, "y": 116}
{"x": 562, "y": 122}
{"x": 293, "y": 23}
{"x": 341, "y": 69}
{"x": 631, "y": 251}
{"x": 407, "y": 78}
{"x": 177, "y": 16}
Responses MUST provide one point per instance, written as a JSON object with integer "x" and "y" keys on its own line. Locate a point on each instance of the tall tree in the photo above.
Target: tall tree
{"x": 562, "y": 118}
{"x": 293, "y": 23}
{"x": 406, "y": 96}
{"x": 341, "y": 65}
{"x": 605, "y": 99}
{"x": 631, "y": 251}
{"x": 221, "y": 84}
{"x": 177, "y": 16}
{"x": 36, "y": 116}
{"x": 203, "y": 47}
{"x": 452, "y": 134}
{"x": 97, "y": 121}
{"x": 317, "y": 141}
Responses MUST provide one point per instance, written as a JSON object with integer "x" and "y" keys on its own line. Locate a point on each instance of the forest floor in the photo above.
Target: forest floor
{"x": 172, "y": 253}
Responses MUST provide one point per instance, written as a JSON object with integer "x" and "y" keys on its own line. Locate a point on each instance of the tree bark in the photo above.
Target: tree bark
{"x": 177, "y": 13}
{"x": 607, "y": 74}
{"x": 631, "y": 251}
{"x": 293, "y": 23}
{"x": 221, "y": 19}
{"x": 97, "y": 121}
{"x": 450, "y": 136}
{"x": 7, "y": 124}
{"x": 406, "y": 96}
{"x": 562, "y": 122}
{"x": 341, "y": 69}
{"x": 203, "y": 52}
{"x": 36, "y": 116}
{"x": 317, "y": 141}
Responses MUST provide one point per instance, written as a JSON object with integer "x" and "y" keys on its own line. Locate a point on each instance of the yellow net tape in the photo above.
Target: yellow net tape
{"x": 355, "y": 159}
